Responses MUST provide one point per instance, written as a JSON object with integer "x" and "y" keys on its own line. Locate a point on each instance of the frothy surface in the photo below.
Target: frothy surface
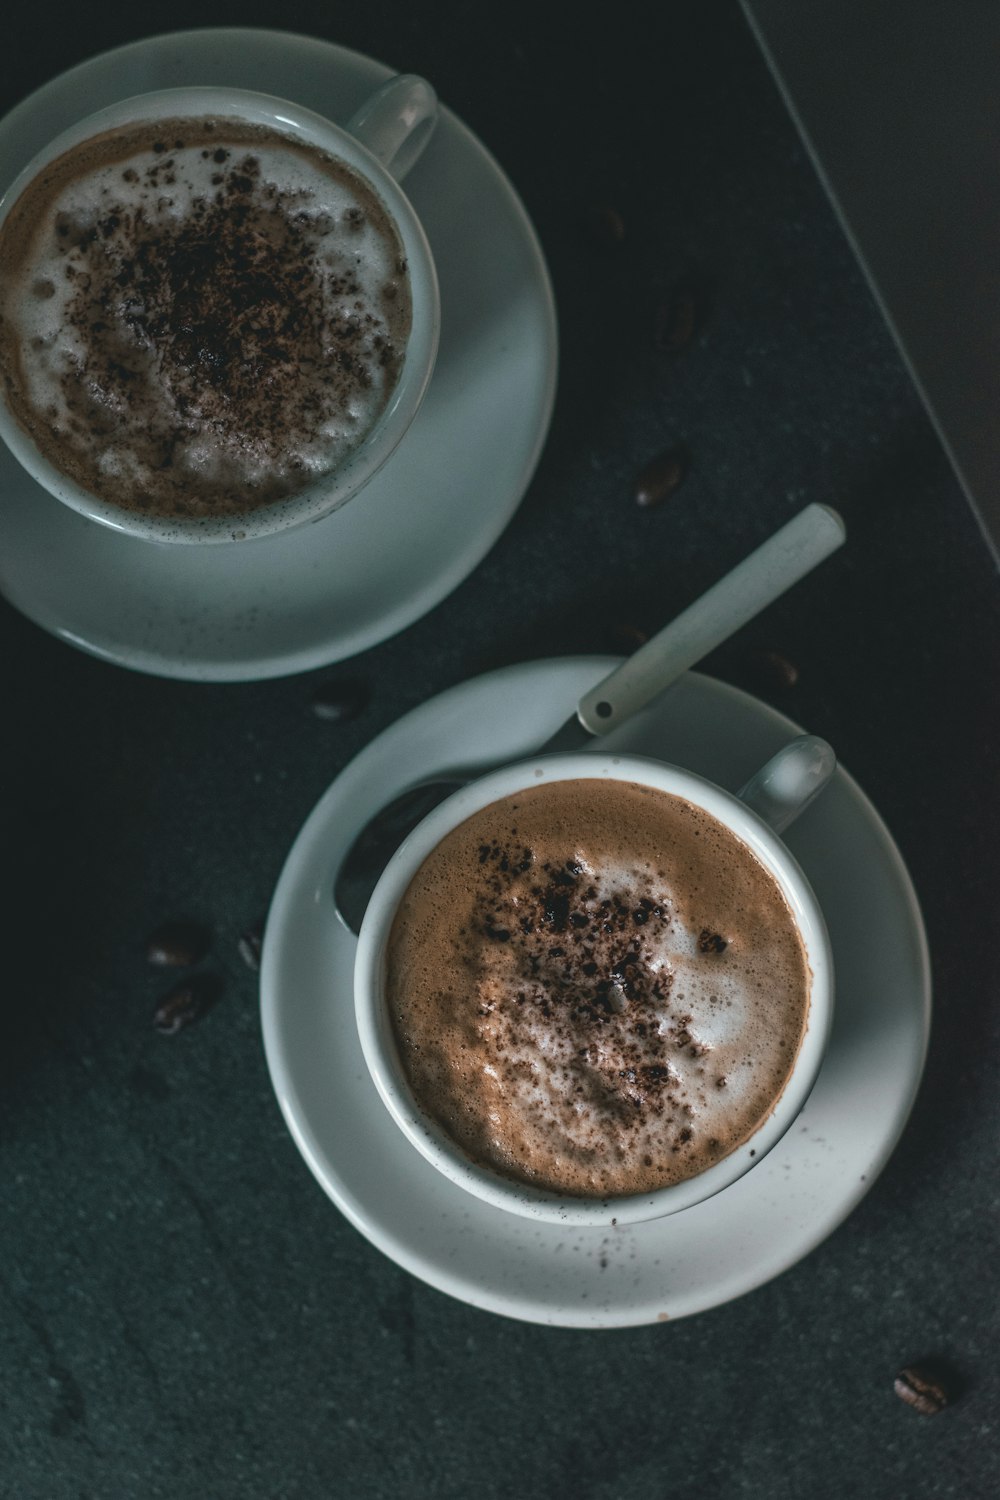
{"x": 596, "y": 988}
{"x": 199, "y": 317}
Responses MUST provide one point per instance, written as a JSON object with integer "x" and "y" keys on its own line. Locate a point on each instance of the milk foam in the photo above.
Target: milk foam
{"x": 203, "y": 319}
{"x": 589, "y": 1022}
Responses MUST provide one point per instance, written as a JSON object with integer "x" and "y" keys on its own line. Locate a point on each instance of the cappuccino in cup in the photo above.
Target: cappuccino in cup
{"x": 218, "y": 312}
{"x": 199, "y": 317}
{"x": 596, "y": 988}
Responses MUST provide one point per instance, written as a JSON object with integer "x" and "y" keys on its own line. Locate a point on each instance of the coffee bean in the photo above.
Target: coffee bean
{"x": 777, "y": 669}
{"x": 177, "y": 944}
{"x": 676, "y": 320}
{"x": 336, "y": 702}
{"x": 625, "y": 637}
{"x": 606, "y": 226}
{"x": 922, "y": 1389}
{"x": 186, "y": 1003}
{"x": 660, "y": 478}
{"x": 249, "y": 946}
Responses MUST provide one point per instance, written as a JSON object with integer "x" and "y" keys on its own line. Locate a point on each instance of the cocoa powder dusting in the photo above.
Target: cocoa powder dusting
{"x": 236, "y": 327}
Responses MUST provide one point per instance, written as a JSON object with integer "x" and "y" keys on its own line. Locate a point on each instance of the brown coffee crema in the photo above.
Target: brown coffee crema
{"x": 596, "y": 988}
{"x": 199, "y": 317}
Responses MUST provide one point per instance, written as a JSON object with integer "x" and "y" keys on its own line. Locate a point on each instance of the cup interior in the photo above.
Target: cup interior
{"x": 378, "y": 1040}
{"x": 335, "y": 488}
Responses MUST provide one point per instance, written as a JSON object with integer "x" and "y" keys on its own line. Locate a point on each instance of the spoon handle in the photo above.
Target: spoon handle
{"x": 754, "y": 583}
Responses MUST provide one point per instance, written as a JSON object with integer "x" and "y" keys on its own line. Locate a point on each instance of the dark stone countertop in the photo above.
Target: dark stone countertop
{"x": 184, "y": 1313}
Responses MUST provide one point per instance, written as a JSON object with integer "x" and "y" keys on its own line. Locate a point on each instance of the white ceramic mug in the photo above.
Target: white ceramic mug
{"x": 770, "y": 801}
{"x": 381, "y": 142}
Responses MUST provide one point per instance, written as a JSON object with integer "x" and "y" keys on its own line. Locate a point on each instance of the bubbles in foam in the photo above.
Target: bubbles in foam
{"x": 596, "y": 987}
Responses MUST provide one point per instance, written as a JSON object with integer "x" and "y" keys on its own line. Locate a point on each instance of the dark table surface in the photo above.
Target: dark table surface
{"x": 183, "y": 1311}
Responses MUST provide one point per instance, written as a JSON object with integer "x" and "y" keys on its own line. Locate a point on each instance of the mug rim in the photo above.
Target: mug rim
{"x": 327, "y": 492}
{"x": 378, "y": 1042}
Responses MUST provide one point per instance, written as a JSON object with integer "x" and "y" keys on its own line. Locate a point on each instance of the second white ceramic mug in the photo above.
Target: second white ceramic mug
{"x": 381, "y": 142}
{"x": 769, "y": 802}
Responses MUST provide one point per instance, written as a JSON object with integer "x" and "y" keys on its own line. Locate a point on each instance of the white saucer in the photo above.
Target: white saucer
{"x": 309, "y": 597}
{"x": 596, "y": 1278}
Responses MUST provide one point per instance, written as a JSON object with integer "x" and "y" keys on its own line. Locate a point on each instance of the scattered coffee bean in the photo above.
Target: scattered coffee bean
{"x": 186, "y": 1003}
{"x": 177, "y": 944}
{"x": 249, "y": 945}
{"x": 776, "y": 670}
{"x": 336, "y": 702}
{"x": 660, "y": 478}
{"x": 606, "y": 226}
{"x": 625, "y": 637}
{"x": 922, "y": 1389}
{"x": 676, "y": 320}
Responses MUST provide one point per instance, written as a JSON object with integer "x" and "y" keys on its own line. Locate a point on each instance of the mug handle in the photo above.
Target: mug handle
{"x": 785, "y": 786}
{"x": 396, "y": 123}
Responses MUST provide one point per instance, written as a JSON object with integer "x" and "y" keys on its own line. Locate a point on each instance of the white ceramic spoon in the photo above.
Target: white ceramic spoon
{"x": 753, "y": 584}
